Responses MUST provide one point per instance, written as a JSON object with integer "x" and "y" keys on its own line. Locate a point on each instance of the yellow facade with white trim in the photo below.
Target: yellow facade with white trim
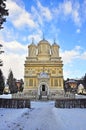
{"x": 43, "y": 69}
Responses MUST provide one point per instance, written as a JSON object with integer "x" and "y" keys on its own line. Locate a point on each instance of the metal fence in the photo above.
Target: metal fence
{"x": 70, "y": 103}
{"x": 15, "y": 103}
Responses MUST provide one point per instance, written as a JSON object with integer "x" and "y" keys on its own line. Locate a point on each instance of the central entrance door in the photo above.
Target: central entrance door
{"x": 43, "y": 87}
{"x": 44, "y": 90}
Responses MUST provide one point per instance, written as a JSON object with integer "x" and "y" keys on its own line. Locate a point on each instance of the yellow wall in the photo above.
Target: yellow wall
{"x": 47, "y": 61}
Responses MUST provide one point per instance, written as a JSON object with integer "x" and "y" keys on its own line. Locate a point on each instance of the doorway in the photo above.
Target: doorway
{"x": 43, "y": 87}
{"x": 43, "y": 90}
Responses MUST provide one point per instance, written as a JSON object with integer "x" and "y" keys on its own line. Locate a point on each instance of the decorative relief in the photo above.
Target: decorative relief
{"x": 60, "y": 72}
{"x": 53, "y": 72}
{"x": 43, "y": 75}
{"x": 30, "y": 72}
{"x": 26, "y": 72}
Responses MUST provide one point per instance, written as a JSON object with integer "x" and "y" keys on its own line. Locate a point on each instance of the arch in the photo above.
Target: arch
{"x": 43, "y": 86}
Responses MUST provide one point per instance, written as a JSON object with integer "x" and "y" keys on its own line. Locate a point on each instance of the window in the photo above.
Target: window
{"x": 26, "y": 71}
{"x": 34, "y": 82}
{"x": 51, "y": 82}
{"x": 59, "y": 82}
{"x": 56, "y": 82}
{"x": 31, "y": 82}
{"x": 53, "y": 72}
{"x": 26, "y": 83}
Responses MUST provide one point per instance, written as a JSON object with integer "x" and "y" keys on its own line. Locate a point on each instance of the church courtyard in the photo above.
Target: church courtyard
{"x": 43, "y": 116}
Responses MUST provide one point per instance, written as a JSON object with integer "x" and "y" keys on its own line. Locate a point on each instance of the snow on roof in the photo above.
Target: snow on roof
{"x": 71, "y": 81}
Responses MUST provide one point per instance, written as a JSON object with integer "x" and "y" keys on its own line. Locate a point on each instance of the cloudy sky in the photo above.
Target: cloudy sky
{"x": 63, "y": 20}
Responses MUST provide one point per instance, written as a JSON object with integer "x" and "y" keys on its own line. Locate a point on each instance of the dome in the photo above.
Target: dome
{"x": 44, "y": 47}
{"x": 32, "y": 44}
{"x": 55, "y": 44}
{"x": 43, "y": 42}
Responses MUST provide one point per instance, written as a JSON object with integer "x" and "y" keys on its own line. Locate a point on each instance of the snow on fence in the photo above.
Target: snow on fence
{"x": 14, "y": 103}
{"x": 70, "y": 103}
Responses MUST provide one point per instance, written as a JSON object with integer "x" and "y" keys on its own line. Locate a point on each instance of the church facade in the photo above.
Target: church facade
{"x": 43, "y": 70}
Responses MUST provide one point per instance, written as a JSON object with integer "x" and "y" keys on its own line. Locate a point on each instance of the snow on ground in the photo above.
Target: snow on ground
{"x": 8, "y": 96}
{"x": 80, "y": 96}
{"x": 42, "y": 116}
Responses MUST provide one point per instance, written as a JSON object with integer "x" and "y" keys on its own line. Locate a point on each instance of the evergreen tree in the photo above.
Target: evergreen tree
{"x": 1, "y": 53}
{"x": 11, "y": 82}
{"x": 2, "y": 84}
{"x": 3, "y": 12}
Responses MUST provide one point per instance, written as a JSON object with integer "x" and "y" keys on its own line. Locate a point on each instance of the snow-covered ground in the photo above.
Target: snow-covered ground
{"x": 6, "y": 96}
{"x": 42, "y": 116}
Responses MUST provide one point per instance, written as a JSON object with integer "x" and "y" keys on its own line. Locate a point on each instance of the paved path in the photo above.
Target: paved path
{"x": 40, "y": 117}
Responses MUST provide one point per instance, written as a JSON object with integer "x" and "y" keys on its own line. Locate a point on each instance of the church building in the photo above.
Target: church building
{"x": 43, "y": 70}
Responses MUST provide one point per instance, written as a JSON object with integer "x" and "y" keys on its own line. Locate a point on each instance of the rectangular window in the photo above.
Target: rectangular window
{"x": 52, "y": 82}
{"x": 34, "y": 82}
{"x": 59, "y": 82}
{"x": 30, "y": 82}
{"x": 56, "y": 82}
{"x": 26, "y": 83}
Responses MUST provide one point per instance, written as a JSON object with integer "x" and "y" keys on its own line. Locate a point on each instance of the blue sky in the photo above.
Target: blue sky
{"x": 63, "y": 20}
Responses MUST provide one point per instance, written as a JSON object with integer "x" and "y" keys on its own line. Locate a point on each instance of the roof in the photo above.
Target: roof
{"x": 71, "y": 81}
{"x": 43, "y": 42}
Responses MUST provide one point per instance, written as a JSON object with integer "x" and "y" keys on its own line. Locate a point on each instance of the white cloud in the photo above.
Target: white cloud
{"x": 69, "y": 10}
{"x": 15, "y": 62}
{"x": 19, "y": 16}
{"x": 65, "y": 10}
{"x": 14, "y": 58}
{"x": 36, "y": 37}
{"x": 8, "y": 34}
{"x": 67, "y": 73}
{"x": 83, "y": 56}
{"x": 76, "y": 17}
{"x": 69, "y": 56}
{"x": 14, "y": 46}
{"x": 78, "y": 30}
{"x": 83, "y": 11}
{"x": 44, "y": 11}
{"x": 36, "y": 15}
{"x": 67, "y": 7}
